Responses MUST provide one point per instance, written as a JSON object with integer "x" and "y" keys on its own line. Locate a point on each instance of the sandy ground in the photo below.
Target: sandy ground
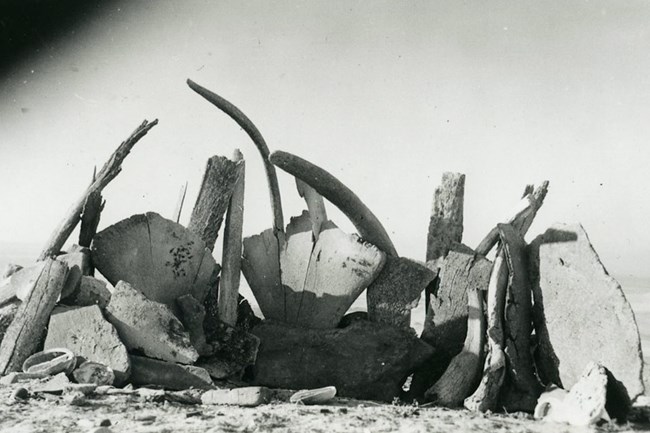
{"x": 134, "y": 413}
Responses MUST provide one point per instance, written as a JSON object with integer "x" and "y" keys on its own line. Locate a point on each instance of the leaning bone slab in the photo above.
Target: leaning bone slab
{"x": 341, "y": 266}
{"x": 157, "y": 256}
{"x": 319, "y": 281}
{"x": 85, "y": 331}
{"x": 261, "y": 268}
{"x": 19, "y": 284}
{"x": 149, "y": 326}
{"x": 583, "y": 405}
{"x": 580, "y": 312}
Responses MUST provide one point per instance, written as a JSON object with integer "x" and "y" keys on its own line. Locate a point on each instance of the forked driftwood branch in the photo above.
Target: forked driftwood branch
{"x": 368, "y": 225}
{"x": 523, "y": 216}
{"x": 108, "y": 172}
{"x": 487, "y": 394}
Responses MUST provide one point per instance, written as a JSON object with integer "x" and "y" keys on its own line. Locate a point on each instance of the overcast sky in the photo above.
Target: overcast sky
{"x": 385, "y": 95}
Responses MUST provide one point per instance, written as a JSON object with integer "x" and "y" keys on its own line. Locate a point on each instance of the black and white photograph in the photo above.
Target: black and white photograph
{"x": 324, "y": 216}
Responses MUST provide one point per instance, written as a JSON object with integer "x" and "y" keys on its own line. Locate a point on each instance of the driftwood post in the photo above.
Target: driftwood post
{"x": 90, "y": 215}
{"x": 487, "y": 394}
{"x": 232, "y": 248}
{"x": 27, "y": 330}
{"x": 522, "y": 389}
{"x": 446, "y": 222}
{"x": 108, "y": 172}
{"x": 211, "y": 204}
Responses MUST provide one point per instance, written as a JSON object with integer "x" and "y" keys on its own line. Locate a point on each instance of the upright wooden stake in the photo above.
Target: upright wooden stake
{"x": 232, "y": 247}
{"x": 108, "y": 172}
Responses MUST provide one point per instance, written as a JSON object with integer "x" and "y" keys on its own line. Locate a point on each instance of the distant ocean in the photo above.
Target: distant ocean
{"x": 637, "y": 292}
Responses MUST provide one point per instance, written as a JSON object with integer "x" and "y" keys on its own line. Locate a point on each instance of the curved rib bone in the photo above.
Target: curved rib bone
{"x": 242, "y": 120}
{"x": 369, "y": 227}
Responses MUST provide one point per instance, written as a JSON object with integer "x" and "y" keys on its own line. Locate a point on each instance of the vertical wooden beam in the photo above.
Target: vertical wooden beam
{"x": 232, "y": 247}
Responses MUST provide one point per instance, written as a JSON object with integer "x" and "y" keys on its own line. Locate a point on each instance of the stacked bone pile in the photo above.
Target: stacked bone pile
{"x": 143, "y": 302}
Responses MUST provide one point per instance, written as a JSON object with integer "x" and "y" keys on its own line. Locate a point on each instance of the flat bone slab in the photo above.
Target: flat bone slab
{"x": 159, "y": 257}
{"x": 396, "y": 291}
{"x": 261, "y": 268}
{"x": 341, "y": 266}
{"x": 319, "y": 281}
{"x": 580, "y": 312}
{"x": 88, "y": 335}
{"x": 364, "y": 360}
{"x": 148, "y": 326}
{"x": 20, "y": 284}
{"x": 147, "y": 371}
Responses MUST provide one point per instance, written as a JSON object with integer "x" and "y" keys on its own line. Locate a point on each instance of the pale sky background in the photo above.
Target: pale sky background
{"x": 385, "y": 95}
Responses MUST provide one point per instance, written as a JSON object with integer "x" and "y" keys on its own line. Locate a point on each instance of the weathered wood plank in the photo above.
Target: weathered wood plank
{"x": 213, "y": 199}
{"x": 26, "y": 332}
{"x": 446, "y": 222}
{"x": 228, "y": 297}
{"x": 521, "y": 389}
